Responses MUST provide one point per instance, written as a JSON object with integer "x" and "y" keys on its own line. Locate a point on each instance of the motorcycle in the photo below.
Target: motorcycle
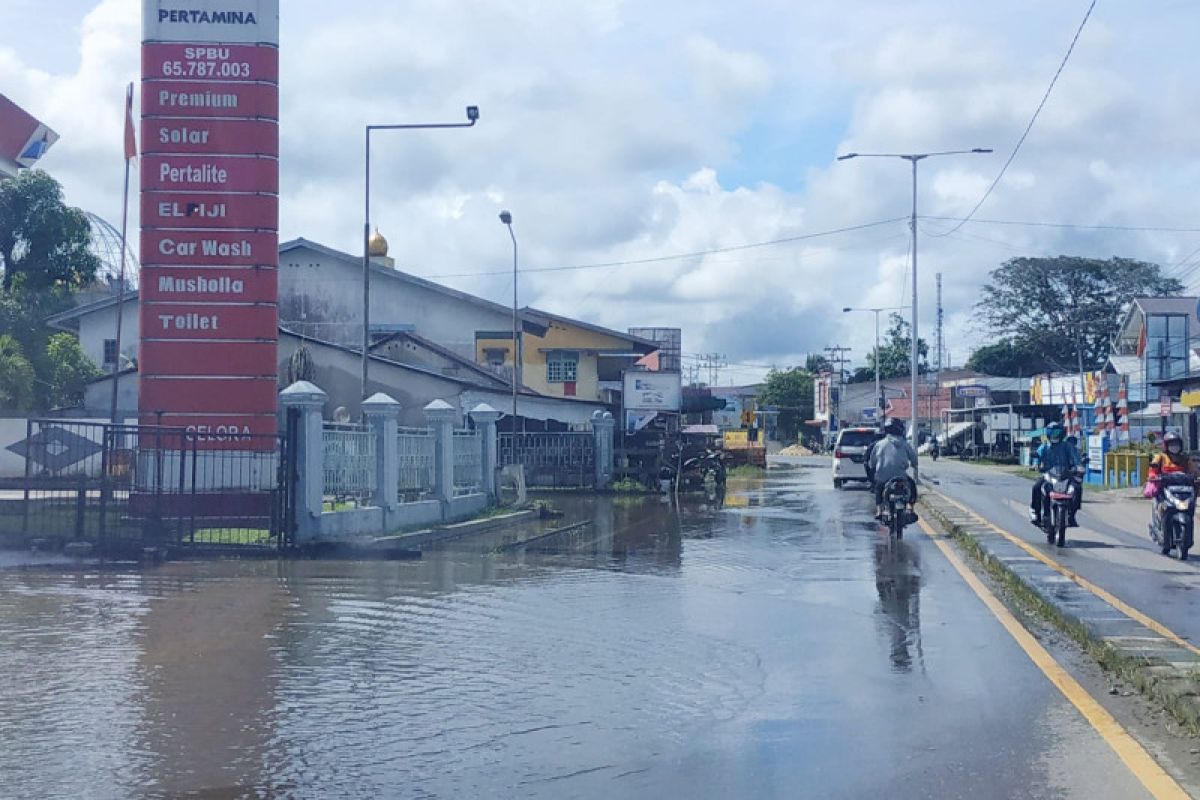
{"x": 1172, "y": 523}
{"x": 934, "y": 452}
{"x": 897, "y": 498}
{"x": 696, "y": 467}
{"x": 1058, "y": 498}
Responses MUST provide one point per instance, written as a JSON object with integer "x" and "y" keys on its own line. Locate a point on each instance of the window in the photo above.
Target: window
{"x": 562, "y": 366}
{"x": 856, "y": 438}
{"x": 110, "y": 352}
{"x": 495, "y": 356}
{"x": 1167, "y": 346}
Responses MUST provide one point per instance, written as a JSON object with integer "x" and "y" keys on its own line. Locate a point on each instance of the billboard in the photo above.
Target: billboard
{"x": 652, "y": 391}
{"x": 23, "y": 140}
{"x": 210, "y": 218}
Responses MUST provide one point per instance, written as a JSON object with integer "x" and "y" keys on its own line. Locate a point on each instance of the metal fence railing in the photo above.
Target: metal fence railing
{"x": 416, "y": 456}
{"x": 468, "y": 461}
{"x": 123, "y": 487}
{"x": 551, "y": 459}
{"x": 349, "y": 462}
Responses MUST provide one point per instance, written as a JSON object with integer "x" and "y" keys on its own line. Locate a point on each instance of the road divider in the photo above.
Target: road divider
{"x": 1157, "y": 661}
{"x": 1148, "y": 772}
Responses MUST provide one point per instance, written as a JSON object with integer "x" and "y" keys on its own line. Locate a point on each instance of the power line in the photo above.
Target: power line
{"x": 1032, "y": 120}
{"x": 678, "y": 256}
{"x": 1074, "y": 225}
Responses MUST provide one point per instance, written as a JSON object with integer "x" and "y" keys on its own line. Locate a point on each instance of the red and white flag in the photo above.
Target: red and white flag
{"x": 130, "y": 138}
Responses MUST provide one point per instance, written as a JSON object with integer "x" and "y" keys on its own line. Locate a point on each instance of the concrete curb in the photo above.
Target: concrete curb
{"x": 424, "y": 538}
{"x": 1158, "y": 667}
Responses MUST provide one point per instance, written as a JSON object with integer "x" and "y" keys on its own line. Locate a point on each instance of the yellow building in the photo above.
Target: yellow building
{"x": 568, "y": 359}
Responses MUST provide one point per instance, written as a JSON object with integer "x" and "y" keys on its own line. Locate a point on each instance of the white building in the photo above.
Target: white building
{"x": 423, "y": 338}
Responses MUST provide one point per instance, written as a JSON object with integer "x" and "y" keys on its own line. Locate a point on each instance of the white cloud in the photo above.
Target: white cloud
{"x": 620, "y": 131}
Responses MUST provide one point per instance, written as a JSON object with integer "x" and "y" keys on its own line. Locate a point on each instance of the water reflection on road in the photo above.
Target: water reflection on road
{"x": 616, "y": 659}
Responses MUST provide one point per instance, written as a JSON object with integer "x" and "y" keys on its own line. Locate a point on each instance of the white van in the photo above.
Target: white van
{"x": 849, "y": 454}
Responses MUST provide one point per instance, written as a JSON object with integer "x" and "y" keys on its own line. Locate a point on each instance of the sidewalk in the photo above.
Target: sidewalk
{"x": 1156, "y": 660}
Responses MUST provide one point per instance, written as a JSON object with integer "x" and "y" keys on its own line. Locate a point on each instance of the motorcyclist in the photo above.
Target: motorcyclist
{"x": 890, "y": 459}
{"x": 1057, "y": 452}
{"x": 1171, "y": 459}
{"x": 935, "y": 449}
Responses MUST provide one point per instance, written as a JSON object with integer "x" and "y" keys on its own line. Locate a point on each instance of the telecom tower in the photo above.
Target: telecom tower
{"x": 940, "y": 341}
{"x": 940, "y": 318}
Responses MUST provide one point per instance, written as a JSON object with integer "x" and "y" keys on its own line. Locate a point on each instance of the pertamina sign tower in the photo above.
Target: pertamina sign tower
{"x": 210, "y": 219}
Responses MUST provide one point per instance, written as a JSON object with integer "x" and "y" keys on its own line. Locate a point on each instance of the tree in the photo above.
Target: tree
{"x": 43, "y": 242}
{"x": 1009, "y": 358}
{"x": 791, "y": 391}
{"x": 816, "y": 363}
{"x": 44, "y": 256}
{"x": 895, "y": 353}
{"x": 1054, "y": 305}
{"x": 70, "y": 370}
{"x": 16, "y": 376}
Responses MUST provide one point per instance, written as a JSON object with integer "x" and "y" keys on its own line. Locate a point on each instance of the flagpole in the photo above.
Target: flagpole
{"x": 130, "y": 151}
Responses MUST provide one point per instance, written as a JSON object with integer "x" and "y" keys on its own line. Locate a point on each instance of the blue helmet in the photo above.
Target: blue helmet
{"x": 1055, "y": 432}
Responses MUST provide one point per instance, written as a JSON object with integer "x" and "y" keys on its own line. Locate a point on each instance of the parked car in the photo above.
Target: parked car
{"x": 849, "y": 454}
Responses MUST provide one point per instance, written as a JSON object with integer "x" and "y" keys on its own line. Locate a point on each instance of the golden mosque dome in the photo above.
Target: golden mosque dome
{"x": 377, "y": 246}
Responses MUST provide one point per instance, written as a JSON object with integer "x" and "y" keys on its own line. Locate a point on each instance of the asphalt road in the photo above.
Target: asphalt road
{"x": 957, "y": 708}
{"x": 775, "y": 645}
{"x": 1111, "y": 548}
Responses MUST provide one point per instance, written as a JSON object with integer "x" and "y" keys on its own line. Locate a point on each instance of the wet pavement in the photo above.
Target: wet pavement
{"x": 1105, "y": 549}
{"x": 770, "y": 644}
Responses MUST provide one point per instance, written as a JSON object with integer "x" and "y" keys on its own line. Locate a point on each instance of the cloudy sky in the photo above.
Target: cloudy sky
{"x": 623, "y": 131}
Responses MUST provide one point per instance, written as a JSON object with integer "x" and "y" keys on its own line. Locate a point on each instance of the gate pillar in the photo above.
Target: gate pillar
{"x": 603, "y": 428}
{"x": 309, "y": 399}
{"x": 485, "y": 418}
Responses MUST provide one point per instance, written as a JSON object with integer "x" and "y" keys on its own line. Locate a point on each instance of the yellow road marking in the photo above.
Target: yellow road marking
{"x": 1135, "y": 757}
{"x": 1102, "y": 593}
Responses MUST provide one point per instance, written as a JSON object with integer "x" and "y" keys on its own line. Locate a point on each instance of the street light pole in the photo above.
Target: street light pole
{"x": 878, "y": 391}
{"x": 472, "y": 117}
{"x": 913, "y": 158}
{"x": 914, "y": 354}
{"x": 506, "y": 218}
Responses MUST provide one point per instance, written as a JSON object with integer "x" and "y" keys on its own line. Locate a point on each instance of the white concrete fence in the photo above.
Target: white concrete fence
{"x": 396, "y": 477}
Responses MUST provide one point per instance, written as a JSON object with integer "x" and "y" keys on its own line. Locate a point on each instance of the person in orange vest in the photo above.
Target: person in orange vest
{"x": 1172, "y": 458}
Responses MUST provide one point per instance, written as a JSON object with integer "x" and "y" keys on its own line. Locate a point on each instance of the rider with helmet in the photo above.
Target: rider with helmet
{"x": 1172, "y": 458}
{"x": 1057, "y": 452}
{"x": 890, "y": 458}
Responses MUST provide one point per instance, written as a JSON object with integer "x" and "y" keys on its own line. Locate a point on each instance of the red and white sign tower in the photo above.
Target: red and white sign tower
{"x": 210, "y": 219}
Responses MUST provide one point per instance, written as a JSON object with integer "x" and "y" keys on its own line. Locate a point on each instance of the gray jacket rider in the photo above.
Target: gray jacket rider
{"x": 891, "y": 458}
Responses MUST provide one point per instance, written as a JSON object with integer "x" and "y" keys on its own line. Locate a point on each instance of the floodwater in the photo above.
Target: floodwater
{"x": 743, "y": 647}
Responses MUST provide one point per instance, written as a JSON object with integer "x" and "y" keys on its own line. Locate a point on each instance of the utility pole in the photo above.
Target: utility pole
{"x": 713, "y": 362}
{"x": 836, "y": 357}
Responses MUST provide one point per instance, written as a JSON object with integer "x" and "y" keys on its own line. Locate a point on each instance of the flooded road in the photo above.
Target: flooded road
{"x": 770, "y": 645}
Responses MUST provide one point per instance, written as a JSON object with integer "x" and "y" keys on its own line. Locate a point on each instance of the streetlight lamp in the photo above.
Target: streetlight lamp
{"x": 472, "y": 117}
{"x": 913, "y": 158}
{"x": 878, "y": 394}
{"x": 506, "y": 218}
